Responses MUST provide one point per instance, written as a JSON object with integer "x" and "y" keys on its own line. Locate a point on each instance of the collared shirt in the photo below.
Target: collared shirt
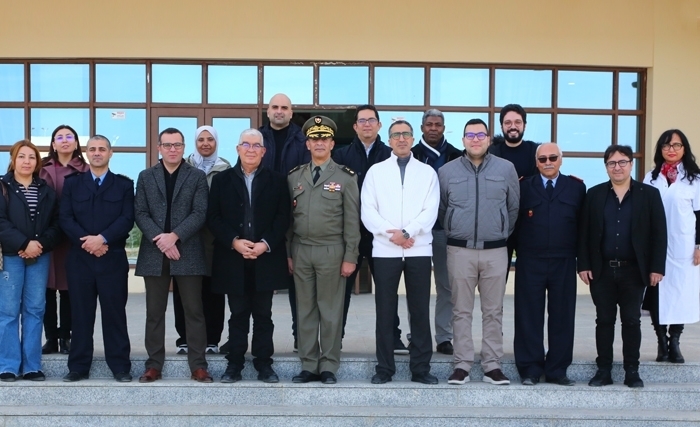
{"x": 249, "y": 183}
{"x": 617, "y": 233}
{"x": 545, "y": 179}
{"x": 102, "y": 177}
{"x": 323, "y": 166}
{"x": 368, "y": 148}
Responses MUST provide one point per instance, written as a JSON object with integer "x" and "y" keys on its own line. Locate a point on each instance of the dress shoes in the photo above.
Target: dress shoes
{"x": 72, "y": 377}
{"x": 445, "y": 348}
{"x": 268, "y": 375}
{"x": 561, "y": 381}
{"x": 64, "y": 345}
{"x": 34, "y": 376}
{"x": 381, "y": 378}
{"x": 602, "y": 377}
{"x": 123, "y": 377}
{"x": 201, "y": 376}
{"x": 50, "y": 347}
{"x": 530, "y": 380}
{"x": 232, "y": 375}
{"x": 305, "y": 377}
{"x": 424, "y": 378}
{"x": 328, "y": 377}
{"x": 150, "y": 375}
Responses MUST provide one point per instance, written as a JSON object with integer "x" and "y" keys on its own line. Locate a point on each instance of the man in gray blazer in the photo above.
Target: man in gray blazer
{"x": 171, "y": 208}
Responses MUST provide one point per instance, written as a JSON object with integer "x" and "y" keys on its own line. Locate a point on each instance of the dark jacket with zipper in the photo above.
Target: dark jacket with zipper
{"x": 294, "y": 151}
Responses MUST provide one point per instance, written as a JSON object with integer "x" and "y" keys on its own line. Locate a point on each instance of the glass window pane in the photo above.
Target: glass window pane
{"x": 454, "y": 126}
{"x": 124, "y": 127}
{"x": 389, "y": 117}
{"x": 343, "y": 85}
{"x": 629, "y": 91}
{"x": 537, "y": 129}
{"x": 232, "y": 84}
{"x": 628, "y": 131}
{"x": 229, "y": 130}
{"x": 60, "y": 82}
{"x": 12, "y": 129}
{"x": 584, "y": 132}
{"x": 12, "y": 82}
{"x": 590, "y": 170}
{"x": 4, "y": 160}
{"x": 120, "y": 82}
{"x": 585, "y": 89}
{"x": 529, "y": 88}
{"x": 177, "y": 83}
{"x": 186, "y": 125}
{"x": 45, "y": 120}
{"x": 129, "y": 164}
{"x": 297, "y": 82}
{"x": 459, "y": 87}
{"x": 399, "y": 86}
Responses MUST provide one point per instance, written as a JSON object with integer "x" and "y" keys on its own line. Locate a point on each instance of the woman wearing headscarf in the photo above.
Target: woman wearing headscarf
{"x": 675, "y": 301}
{"x": 204, "y": 158}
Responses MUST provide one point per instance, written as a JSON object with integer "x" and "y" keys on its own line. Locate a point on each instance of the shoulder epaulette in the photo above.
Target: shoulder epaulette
{"x": 294, "y": 169}
{"x": 123, "y": 176}
{"x": 347, "y": 170}
{"x": 576, "y": 178}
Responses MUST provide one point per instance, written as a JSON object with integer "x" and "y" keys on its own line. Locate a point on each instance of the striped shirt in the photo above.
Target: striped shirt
{"x": 31, "y": 194}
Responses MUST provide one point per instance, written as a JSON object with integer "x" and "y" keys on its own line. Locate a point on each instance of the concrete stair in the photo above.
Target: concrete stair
{"x": 671, "y": 397}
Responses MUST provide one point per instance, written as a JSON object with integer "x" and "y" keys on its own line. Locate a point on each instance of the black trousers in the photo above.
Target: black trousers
{"x": 51, "y": 317}
{"x": 510, "y": 246}
{"x": 257, "y": 304}
{"x": 623, "y": 287}
{"x": 214, "y": 307}
{"x": 293, "y": 304}
{"x": 112, "y": 290}
{"x": 417, "y": 272}
{"x": 540, "y": 280}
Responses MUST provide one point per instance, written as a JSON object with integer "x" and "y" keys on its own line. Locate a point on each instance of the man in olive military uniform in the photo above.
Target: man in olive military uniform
{"x": 322, "y": 249}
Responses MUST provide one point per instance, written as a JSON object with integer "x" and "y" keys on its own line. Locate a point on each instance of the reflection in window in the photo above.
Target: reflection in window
{"x": 591, "y": 170}
{"x": 537, "y": 129}
{"x": 454, "y": 126}
{"x": 585, "y": 89}
{"x": 584, "y": 132}
{"x": 297, "y": 82}
{"x": 12, "y": 129}
{"x": 459, "y": 87}
{"x": 125, "y": 127}
{"x": 628, "y": 91}
{"x": 60, "y": 82}
{"x": 120, "y": 82}
{"x": 343, "y": 85}
{"x": 529, "y": 88}
{"x": 12, "y": 82}
{"x": 229, "y": 131}
{"x": 399, "y": 86}
{"x": 45, "y": 120}
{"x": 232, "y": 84}
{"x": 628, "y": 131}
{"x": 177, "y": 83}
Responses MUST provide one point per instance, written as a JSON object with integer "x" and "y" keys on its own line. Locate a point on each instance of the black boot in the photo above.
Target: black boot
{"x": 51, "y": 346}
{"x": 64, "y": 345}
{"x": 674, "y": 349}
{"x": 662, "y": 352}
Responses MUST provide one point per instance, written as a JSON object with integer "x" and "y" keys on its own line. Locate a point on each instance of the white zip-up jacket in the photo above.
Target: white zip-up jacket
{"x": 386, "y": 204}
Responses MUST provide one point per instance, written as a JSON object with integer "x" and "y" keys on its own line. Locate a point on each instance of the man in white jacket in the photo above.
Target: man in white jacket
{"x": 399, "y": 204}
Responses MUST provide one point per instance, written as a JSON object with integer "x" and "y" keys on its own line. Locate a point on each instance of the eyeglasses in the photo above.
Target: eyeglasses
{"x": 371, "y": 121}
{"x": 248, "y": 146}
{"x": 552, "y": 158}
{"x": 509, "y": 123}
{"x": 67, "y": 138}
{"x": 169, "y": 145}
{"x": 676, "y": 146}
{"x": 398, "y": 135}
{"x": 621, "y": 163}
{"x": 471, "y": 135}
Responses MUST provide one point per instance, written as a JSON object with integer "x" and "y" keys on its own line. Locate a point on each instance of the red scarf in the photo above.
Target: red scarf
{"x": 670, "y": 171}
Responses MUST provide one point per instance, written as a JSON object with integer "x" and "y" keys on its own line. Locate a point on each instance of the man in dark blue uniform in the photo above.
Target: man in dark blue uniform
{"x": 550, "y": 206}
{"x": 97, "y": 213}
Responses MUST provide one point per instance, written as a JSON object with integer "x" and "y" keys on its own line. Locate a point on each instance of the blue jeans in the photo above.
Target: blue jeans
{"x": 22, "y": 295}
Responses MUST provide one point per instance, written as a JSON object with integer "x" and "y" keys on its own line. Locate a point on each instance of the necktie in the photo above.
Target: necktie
{"x": 97, "y": 183}
{"x": 549, "y": 188}
{"x": 317, "y": 173}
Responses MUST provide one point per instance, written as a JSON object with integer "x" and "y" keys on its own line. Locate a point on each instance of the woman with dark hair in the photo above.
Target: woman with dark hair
{"x": 28, "y": 231}
{"x": 676, "y": 299}
{"x": 65, "y": 157}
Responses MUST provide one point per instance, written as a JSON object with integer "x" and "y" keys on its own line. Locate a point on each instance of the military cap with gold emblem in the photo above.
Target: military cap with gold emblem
{"x": 319, "y": 127}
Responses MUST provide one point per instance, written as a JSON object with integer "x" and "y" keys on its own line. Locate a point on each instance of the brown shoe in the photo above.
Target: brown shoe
{"x": 201, "y": 375}
{"x": 150, "y": 375}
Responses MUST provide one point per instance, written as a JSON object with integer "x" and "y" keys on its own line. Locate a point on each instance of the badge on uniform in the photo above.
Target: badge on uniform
{"x": 294, "y": 204}
{"x": 331, "y": 186}
{"x": 529, "y": 213}
{"x": 298, "y": 187}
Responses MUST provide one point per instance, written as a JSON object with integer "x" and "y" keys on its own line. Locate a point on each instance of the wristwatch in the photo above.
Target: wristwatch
{"x": 408, "y": 236}
{"x": 697, "y": 246}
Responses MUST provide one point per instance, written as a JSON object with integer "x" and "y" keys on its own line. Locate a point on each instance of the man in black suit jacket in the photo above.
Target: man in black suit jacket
{"x": 248, "y": 214}
{"x": 622, "y": 249}
{"x": 97, "y": 214}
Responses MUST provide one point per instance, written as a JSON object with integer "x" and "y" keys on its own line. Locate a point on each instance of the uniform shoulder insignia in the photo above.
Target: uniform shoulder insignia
{"x": 348, "y": 170}
{"x": 294, "y": 169}
{"x": 123, "y": 176}
{"x": 576, "y": 178}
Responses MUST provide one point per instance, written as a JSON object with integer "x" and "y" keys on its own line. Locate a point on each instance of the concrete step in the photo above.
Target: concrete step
{"x": 359, "y": 367}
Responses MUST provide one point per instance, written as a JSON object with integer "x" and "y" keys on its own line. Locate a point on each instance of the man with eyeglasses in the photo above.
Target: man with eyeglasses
{"x": 434, "y": 150}
{"x": 400, "y": 199}
{"x": 479, "y": 196}
{"x": 170, "y": 210}
{"x": 322, "y": 250}
{"x": 249, "y": 215}
{"x": 550, "y": 208}
{"x": 621, "y": 250}
{"x": 365, "y": 150}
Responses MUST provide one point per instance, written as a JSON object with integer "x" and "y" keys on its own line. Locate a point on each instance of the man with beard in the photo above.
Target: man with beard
{"x": 435, "y": 151}
{"x": 513, "y": 148}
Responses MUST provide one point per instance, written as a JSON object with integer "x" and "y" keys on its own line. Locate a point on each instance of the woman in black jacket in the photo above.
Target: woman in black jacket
{"x": 28, "y": 231}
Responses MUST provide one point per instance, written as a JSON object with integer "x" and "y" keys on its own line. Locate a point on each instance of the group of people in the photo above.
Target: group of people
{"x": 293, "y": 213}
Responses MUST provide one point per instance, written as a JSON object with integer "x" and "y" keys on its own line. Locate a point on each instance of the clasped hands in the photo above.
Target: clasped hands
{"x": 94, "y": 245}
{"x": 249, "y": 249}
{"x": 166, "y": 244}
{"x": 398, "y": 239}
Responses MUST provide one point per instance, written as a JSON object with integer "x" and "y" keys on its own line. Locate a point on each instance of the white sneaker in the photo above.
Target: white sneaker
{"x": 181, "y": 349}
{"x": 212, "y": 349}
